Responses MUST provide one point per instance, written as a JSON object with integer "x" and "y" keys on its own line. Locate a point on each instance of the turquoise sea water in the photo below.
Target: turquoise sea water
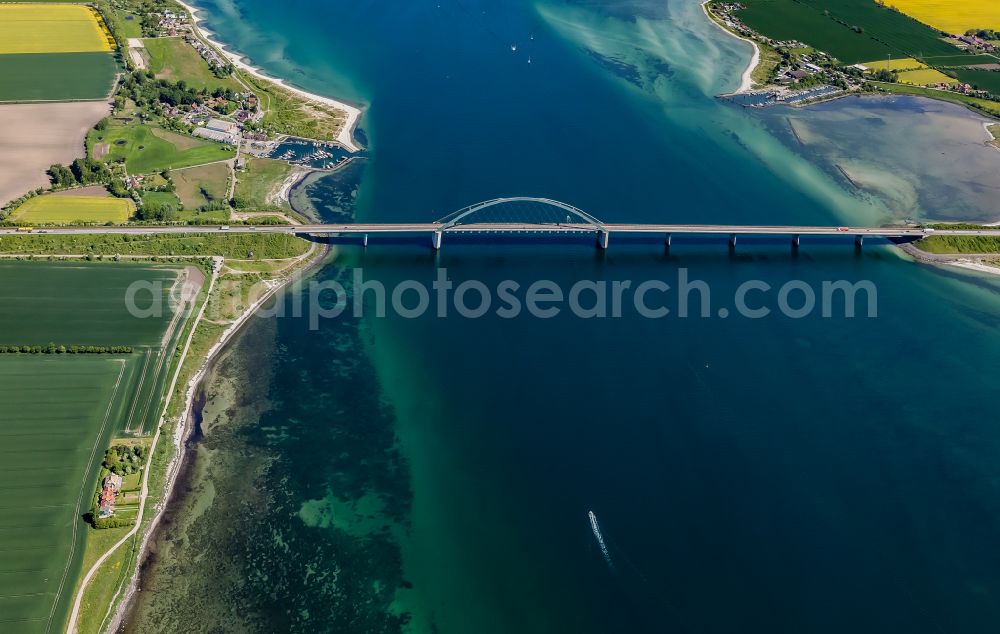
{"x": 435, "y": 475}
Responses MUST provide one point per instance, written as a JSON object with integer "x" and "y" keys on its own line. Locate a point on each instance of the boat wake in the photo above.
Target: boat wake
{"x": 600, "y": 538}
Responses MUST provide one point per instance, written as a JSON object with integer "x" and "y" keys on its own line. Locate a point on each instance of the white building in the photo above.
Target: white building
{"x": 215, "y": 135}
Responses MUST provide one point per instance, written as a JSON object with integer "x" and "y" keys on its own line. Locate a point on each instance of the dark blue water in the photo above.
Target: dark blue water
{"x": 749, "y": 475}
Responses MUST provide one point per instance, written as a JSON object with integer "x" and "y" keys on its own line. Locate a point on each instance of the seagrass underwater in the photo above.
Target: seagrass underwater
{"x": 684, "y": 296}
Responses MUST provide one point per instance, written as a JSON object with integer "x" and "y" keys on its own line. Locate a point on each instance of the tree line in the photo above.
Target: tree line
{"x": 82, "y": 171}
{"x": 54, "y": 349}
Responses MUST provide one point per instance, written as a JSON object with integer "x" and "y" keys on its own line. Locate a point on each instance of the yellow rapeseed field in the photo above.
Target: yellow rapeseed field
{"x": 925, "y": 77}
{"x": 63, "y": 209}
{"x": 903, "y": 63}
{"x": 52, "y": 28}
{"x": 952, "y": 16}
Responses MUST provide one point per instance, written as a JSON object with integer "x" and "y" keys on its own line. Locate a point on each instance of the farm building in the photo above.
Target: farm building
{"x": 110, "y": 487}
{"x": 215, "y": 135}
{"x": 222, "y": 126}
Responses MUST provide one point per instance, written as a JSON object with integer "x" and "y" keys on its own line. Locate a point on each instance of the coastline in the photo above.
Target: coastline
{"x": 78, "y": 600}
{"x": 346, "y": 135}
{"x": 314, "y": 257}
{"x": 746, "y": 80}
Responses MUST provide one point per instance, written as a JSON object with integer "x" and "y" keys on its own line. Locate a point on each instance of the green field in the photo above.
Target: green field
{"x": 67, "y": 209}
{"x": 174, "y": 59}
{"x": 59, "y": 413}
{"x": 961, "y": 59}
{"x": 197, "y": 186}
{"x": 884, "y": 33}
{"x": 55, "y": 425}
{"x": 261, "y": 178}
{"x": 56, "y": 76}
{"x": 75, "y": 304}
{"x": 148, "y": 149}
{"x": 981, "y": 79}
{"x": 153, "y": 200}
{"x": 130, "y": 24}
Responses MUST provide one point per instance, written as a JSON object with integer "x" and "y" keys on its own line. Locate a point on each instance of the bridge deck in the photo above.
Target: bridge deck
{"x": 524, "y": 228}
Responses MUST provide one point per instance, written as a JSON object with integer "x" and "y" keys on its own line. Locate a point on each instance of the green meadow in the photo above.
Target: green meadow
{"x": 56, "y": 76}
{"x": 259, "y": 181}
{"x": 981, "y": 79}
{"x": 59, "y": 412}
{"x": 829, "y": 25}
{"x": 147, "y": 148}
{"x": 173, "y": 59}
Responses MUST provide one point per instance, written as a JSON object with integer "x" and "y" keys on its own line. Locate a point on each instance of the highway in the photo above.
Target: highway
{"x": 500, "y": 228}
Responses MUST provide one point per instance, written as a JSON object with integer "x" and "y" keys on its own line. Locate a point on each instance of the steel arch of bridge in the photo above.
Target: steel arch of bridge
{"x": 461, "y": 216}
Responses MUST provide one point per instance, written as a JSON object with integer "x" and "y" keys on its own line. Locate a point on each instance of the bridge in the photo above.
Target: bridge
{"x": 526, "y": 216}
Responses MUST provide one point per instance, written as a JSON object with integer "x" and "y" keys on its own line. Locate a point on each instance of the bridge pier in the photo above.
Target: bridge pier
{"x": 602, "y": 239}
{"x": 796, "y": 240}
{"x": 364, "y": 241}
{"x": 668, "y": 241}
{"x": 436, "y": 240}
{"x": 732, "y": 240}
{"x": 858, "y": 242}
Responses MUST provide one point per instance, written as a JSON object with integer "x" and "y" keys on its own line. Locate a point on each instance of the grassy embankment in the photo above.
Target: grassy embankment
{"x": 944, "y": 245}
{"x": 263, "y": 246}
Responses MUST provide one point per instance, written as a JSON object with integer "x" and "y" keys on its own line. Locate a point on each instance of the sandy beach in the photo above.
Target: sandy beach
{"x": 346, "y": 136}
{"x": 746, "y": 80}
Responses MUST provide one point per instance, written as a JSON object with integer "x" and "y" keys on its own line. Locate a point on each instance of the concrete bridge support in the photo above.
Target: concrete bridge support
{"x": 436, "y": 240}
{"x": 732, "y": 240}
{"x": 796, "y": 241}
{"x": 858, "y": 242}
{"x": 364, "y": 241}
{"x": 602, "y": 239}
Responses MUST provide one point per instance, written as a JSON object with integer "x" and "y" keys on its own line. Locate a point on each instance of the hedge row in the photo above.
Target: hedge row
{"x": 54, "y": 349}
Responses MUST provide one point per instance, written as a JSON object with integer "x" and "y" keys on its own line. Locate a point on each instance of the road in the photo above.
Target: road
{"x": 526, "y": 228}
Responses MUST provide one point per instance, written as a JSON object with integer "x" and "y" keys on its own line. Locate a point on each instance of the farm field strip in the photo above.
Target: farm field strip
{"x": 56, "y": 76}
{"x": 61, "y": 411}
{"x": 33, "y": 574}
{"x": 883, "y": 33}
{"x": 52, "y": 28}
{"x": 66, "y": 209}
{"x": 953, "y": 16}
{"x": 79, "y": 304}
{"x": 905, "y": 63}
{"x": 925, "y": 77}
